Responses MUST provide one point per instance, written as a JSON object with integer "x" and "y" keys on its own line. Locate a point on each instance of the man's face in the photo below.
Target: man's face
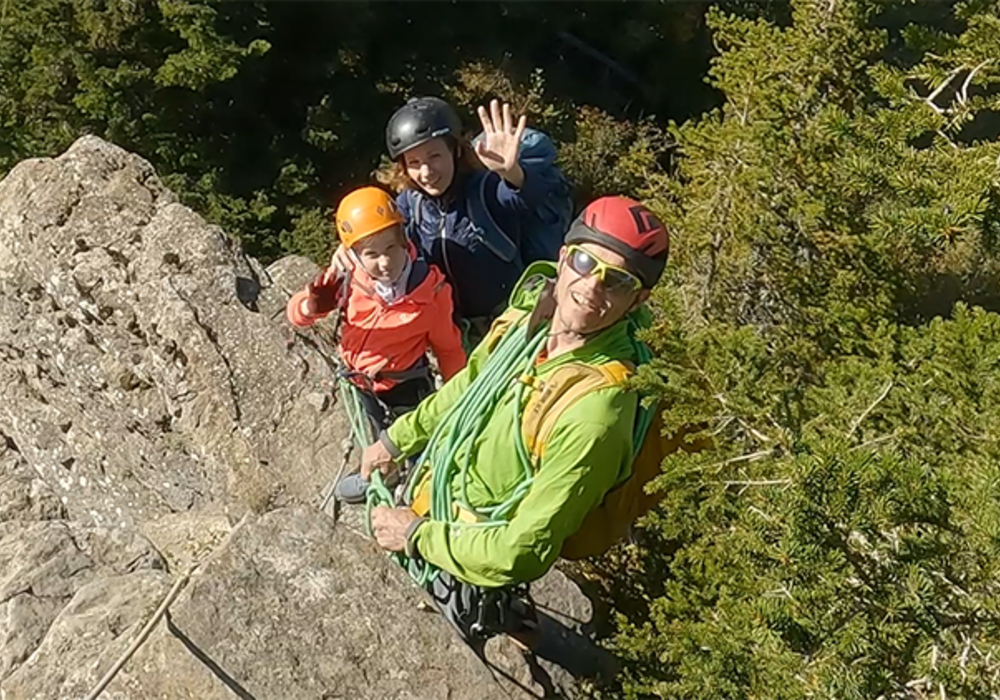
{"x": 584, "y": 303}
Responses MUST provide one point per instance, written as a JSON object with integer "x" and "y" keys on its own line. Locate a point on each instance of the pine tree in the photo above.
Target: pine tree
{"x": 839, "y": 541}
{"x": 261, "y": 115}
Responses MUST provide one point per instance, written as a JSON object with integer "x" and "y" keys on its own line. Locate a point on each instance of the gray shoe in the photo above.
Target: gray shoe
{"x": 353, "y": 489}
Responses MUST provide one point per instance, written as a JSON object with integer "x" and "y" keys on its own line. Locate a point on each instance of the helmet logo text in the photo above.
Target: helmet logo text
{"x": 645, "y": 220}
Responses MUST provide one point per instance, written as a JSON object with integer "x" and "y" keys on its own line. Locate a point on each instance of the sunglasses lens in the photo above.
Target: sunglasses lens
{"x": 618, "y": 281}
{"x": 582, "y": 262}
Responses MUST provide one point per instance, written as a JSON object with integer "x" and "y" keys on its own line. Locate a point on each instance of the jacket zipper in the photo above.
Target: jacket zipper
{"x": 368, "y": 332}
{"x": 444, "y": 241}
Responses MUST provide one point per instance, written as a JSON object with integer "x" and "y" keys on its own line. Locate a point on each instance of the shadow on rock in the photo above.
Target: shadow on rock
{"x": 566, "y": 657}
{"x": 210, "y": 664}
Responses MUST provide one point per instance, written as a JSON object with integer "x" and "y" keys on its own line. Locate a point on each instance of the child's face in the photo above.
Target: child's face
{"x": 383, "y": 255}
{"x": 431, "y": 165}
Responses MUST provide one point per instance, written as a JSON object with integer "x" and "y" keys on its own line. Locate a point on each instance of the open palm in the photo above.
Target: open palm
{"x": 501, "y": 137}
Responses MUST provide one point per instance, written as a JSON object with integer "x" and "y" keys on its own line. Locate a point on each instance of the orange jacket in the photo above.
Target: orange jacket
{"x": 377, "y": 338}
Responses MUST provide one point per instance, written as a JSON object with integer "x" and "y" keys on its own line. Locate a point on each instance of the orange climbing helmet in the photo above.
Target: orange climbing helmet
{"x": 365, "y": 212}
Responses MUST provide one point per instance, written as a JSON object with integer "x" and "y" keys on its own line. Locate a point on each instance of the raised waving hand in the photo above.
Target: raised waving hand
{"x": 498, "y": 147}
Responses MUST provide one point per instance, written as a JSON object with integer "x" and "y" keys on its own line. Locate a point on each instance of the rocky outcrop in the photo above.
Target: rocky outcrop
{"x": 291, "y": 607}
{"x": 151, "y": 396}
{"x": 139, "y": 376}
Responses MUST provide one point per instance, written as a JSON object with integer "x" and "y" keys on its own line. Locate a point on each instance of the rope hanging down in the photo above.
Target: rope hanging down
{"x": 362, "y": 435}
{"x": 162, "y": 610}
{"x": 361, "y": 426}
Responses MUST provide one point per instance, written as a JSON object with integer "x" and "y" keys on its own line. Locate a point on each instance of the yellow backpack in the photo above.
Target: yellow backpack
{"x": 610, "y": 521}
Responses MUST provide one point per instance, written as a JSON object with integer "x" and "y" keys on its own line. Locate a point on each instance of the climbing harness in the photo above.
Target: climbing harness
{"x": 506, "y": 609}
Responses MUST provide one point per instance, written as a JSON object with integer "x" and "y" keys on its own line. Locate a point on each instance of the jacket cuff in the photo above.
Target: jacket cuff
{"x": 411, "y": 531}
{"x": 389, "y": 445}
{"x": 515, "y": 188}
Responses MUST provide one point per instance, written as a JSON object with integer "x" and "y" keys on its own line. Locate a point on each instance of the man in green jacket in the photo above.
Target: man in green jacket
{"x": 614, "y": 253}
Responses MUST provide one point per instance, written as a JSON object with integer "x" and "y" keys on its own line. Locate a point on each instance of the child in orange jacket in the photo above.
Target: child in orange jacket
{"x": 396, "y": 306}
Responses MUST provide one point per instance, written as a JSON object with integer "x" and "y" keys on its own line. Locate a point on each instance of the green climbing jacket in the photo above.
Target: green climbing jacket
{"x": 588, "y": 452}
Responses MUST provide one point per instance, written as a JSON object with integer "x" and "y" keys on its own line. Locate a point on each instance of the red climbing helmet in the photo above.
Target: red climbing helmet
{"x": 628, "y": 228}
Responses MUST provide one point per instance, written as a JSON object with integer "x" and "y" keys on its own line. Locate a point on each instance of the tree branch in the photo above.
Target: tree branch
{"x": 937, "y": 91}
{"x": 754, "y": 456}
{"x": 876, "y": 402}
{"x": 763, "y": 482}
{"x": 963, "y": 95}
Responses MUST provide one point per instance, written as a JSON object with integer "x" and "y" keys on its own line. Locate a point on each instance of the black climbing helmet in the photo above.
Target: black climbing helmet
{"x": 418, "y": 121}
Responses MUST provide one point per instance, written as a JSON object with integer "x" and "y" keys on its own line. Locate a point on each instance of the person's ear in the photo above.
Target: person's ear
{"x": 640, "y": 298}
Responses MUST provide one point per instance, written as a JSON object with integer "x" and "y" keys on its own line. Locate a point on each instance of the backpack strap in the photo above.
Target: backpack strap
{"x": 418, "y": 273}
{"x": 562, "y": 389}
{"x": 501, "y": 325}
{"x": 483, "y": 221}
{"x": 485, "y": 213}
{"x": 542, "y": 310}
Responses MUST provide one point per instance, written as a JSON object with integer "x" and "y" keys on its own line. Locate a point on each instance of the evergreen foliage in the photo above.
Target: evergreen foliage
{"x": 840, "y": 540}
{"x": 261, "y": 115}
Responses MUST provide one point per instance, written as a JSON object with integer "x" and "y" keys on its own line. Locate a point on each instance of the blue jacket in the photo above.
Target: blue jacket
{"x": 481, "y": 263}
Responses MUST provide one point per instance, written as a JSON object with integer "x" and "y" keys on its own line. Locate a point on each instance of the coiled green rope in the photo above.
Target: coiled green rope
{"x": 448, "y": 454}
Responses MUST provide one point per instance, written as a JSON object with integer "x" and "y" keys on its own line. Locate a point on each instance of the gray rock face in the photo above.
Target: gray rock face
{"x": 152, "y": 394}
{"x": 45, "y": 563}
{"x": 291, "y": 608}
{"x": 139, "y": 376}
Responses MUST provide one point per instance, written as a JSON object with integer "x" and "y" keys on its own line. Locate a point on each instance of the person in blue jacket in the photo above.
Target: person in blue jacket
{"x": 443, "y": 182}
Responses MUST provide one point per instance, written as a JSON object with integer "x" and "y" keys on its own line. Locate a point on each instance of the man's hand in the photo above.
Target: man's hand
{"x": 389, "y": 526}
{"x": 498, "y": 147}
{"x": 376, "y": 456}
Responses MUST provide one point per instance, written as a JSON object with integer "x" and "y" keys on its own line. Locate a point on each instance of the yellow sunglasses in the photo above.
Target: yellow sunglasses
{"x": 614, "y": 279}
